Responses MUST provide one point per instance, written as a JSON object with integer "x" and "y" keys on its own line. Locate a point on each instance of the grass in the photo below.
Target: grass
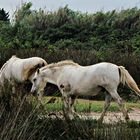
{"x": 87, "y": 105}
{"x": 27, "y": 125}
{"x": 22, "y": 122}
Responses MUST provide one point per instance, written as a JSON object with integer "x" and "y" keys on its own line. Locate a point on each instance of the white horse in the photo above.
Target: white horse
{"x": 73, "y": 80}
{"x": 17, "y": 70}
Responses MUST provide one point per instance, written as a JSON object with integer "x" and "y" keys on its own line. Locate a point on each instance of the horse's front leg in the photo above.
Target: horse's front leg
{"x": 68, "y": 106}
{"x": 65, "y": 100}
{"x": 39, "y": 97}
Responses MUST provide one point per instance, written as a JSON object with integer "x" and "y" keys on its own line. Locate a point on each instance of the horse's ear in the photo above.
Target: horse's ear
{"x": 38, "y": 71}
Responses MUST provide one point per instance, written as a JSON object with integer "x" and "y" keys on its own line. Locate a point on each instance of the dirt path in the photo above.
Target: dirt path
{"x": 112, "y": 117}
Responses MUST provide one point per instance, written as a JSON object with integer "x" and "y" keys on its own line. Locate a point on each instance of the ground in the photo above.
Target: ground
{"x": 89, "y": 109}
{"x": 112, "y": 117}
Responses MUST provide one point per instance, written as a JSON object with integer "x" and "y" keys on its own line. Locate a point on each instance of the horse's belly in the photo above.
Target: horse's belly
{"x": 88, "y": 92}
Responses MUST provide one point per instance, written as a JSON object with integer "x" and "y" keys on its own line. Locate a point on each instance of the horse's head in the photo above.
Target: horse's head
{"x": 39, "y": 84}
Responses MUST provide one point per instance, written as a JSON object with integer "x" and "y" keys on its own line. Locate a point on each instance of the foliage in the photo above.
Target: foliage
{"x": 3, "y": 15}
{"x": 74, "y": 30}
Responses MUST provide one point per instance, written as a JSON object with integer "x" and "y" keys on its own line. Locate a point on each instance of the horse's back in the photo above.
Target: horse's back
{"x": 104, "y": 73}
{"x": 104, "y": 68}
{"x": 100, "y": 70}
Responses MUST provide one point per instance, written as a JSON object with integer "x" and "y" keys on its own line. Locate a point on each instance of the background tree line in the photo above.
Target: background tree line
{"x": 112, "y": 36}
{"x": 69, "y": 29}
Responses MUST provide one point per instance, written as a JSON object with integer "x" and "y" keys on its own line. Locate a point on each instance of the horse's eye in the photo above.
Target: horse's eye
{"x": 34, "y": 79}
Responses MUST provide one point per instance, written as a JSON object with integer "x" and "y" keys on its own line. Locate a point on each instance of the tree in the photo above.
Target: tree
{"x": 3, "y": 15}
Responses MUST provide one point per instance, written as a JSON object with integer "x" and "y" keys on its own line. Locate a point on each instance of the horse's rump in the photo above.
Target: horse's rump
{"x": 21, "y": 69}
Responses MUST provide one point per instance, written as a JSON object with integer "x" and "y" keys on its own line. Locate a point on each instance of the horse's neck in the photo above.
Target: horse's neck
{"x": 52, "y": 80}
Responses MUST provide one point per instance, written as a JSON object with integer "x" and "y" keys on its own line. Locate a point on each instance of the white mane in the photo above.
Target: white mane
{"x": 61, "y": 63}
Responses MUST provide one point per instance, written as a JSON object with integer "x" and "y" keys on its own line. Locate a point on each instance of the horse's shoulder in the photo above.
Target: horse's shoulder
{"x": 65, "y": 86}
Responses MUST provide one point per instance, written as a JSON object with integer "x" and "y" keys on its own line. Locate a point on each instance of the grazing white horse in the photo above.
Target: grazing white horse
{"x": 73, "y": 80}
{"x": 17, "y": 70}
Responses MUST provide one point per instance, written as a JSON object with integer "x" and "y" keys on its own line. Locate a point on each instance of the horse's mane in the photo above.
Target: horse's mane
{"x": 61, "y": 63}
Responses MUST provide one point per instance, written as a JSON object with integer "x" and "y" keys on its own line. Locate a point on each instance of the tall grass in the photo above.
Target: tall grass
{"x": 20, "y": 120}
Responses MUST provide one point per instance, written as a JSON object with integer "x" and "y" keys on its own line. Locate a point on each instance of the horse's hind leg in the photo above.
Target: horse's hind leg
{"x": 71, "y": 103}
{"x": 118, "y": 99}
{"x": 106, "y": 105}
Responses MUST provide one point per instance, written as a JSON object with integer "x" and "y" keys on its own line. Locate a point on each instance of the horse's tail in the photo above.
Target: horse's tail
{"x": 126, "y": 78}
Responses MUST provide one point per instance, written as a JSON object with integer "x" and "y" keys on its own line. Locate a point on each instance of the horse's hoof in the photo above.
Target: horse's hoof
{"x": 127, "y": 118}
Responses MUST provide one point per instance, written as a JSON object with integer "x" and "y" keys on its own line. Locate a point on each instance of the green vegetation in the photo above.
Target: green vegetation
{"x": 87, "y": 105}
{"x": 67, "y": 29}
{"x": 3, "y": 15}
